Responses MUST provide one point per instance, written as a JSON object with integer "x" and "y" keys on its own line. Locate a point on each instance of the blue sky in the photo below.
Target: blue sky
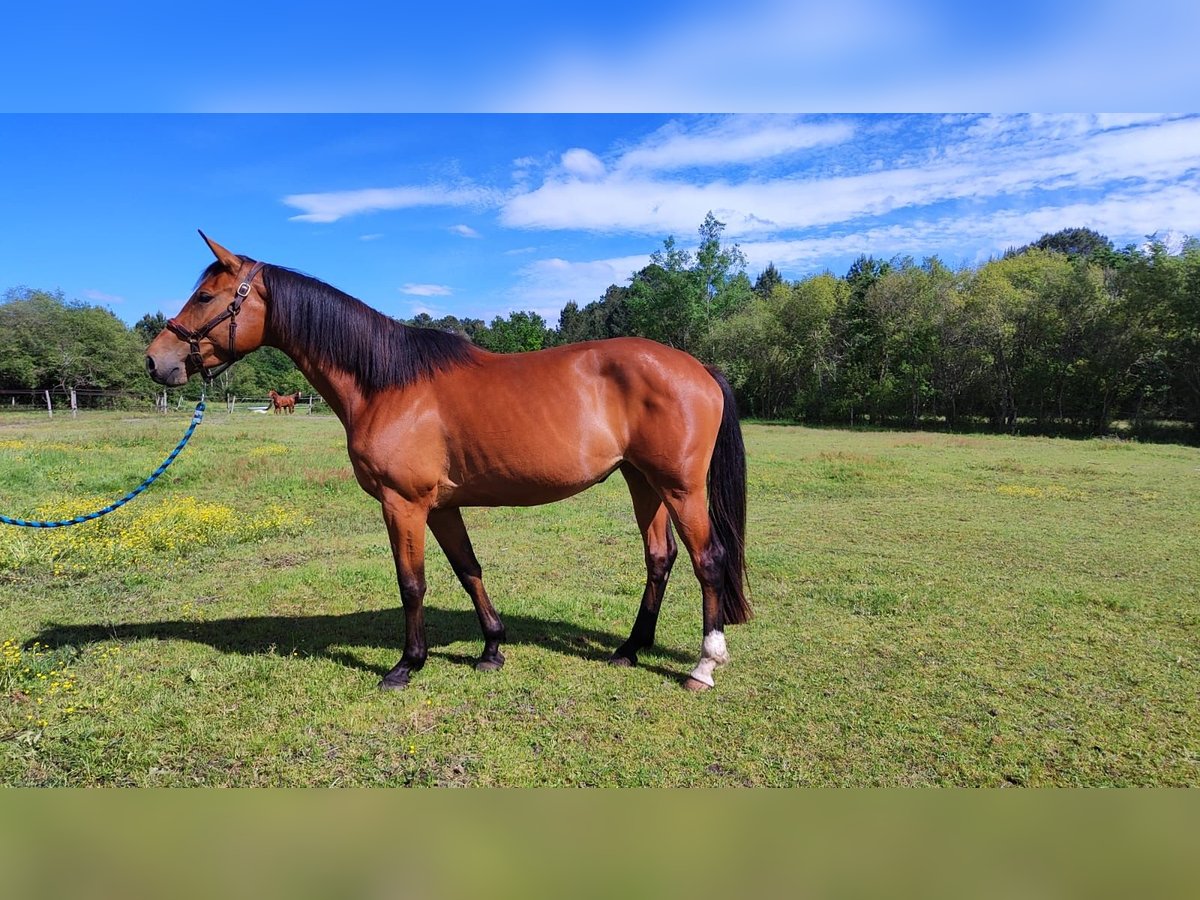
{"x": 477, "y": 161}
{"x": 476, "y": 215}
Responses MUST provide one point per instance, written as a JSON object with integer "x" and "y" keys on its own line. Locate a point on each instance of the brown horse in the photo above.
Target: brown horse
{"x": 285, "y": 402}
{"x": 434, "y": 423}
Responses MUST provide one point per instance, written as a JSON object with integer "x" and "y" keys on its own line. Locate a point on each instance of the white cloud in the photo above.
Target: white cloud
{"x": 731, "y": 140}
{"x": 1124, "y": 217}
{"x": 657, "y": 185}
{"x": 1172, "y": 241}
{"x": 427, "y": 290}
{"x": 995, "y": 157}
{"x": 334, "y": 205}
{"x": 582, "y": 164}
{"x": 522, "y": 171}
{"x": 370, "y": 237}
{"x": 465, "y": 231}
{"x": 546, "y": 285}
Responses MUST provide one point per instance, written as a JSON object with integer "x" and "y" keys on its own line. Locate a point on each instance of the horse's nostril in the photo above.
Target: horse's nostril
{"x": 149, "y": 363}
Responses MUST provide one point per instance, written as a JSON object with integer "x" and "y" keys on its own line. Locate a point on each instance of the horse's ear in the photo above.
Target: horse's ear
{"x": 227, "y": 259}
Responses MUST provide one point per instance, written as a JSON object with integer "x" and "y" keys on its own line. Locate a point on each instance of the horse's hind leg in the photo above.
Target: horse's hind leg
{"x": 690, "y": 512}
{"x": 655, "y": 524}
{"x": 451, "y": 534}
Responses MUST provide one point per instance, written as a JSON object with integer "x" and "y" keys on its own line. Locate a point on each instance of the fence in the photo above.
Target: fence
{"x": 56, "y": 401}
{"x": 306, "y": 404}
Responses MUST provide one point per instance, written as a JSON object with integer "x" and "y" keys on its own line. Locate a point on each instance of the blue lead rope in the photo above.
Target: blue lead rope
{"x": 196, "y": 417}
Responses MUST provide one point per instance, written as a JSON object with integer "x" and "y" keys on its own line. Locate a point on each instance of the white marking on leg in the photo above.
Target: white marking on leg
{"x": 712, "y": 654}
{"x": 714, "y": 646}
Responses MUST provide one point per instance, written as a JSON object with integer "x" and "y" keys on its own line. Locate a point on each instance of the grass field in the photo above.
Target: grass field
{"x": 931, "y": 610}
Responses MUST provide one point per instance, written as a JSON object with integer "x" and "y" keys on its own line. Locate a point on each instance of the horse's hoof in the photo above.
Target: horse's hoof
{"x": 623, "y": 662}
{"x": 489, "y": 665}
{"x": 696, "y": 686}
{"x": 393, "y": 684}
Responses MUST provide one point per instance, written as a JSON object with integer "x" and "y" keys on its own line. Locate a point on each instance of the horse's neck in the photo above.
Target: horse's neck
{"x": 339, "y": 388}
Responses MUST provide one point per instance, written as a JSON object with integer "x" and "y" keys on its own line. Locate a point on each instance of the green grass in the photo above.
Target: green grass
{"x": 931, "y": 609}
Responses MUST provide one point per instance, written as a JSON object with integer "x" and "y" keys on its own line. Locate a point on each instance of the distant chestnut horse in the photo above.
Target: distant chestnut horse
{"x": 285, "y": 402}
{"x": 434, "y": 423}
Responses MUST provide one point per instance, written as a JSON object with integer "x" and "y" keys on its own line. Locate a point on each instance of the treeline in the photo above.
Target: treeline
{"x": 50, "y": 343}
{"x": 1066, "y": 333}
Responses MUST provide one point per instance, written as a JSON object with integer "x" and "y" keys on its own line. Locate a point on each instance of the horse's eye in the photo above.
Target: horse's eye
{"x": 203, "y": 298}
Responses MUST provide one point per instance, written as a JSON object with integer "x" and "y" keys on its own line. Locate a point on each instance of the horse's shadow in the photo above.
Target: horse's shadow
{"x": 335, "y": 637}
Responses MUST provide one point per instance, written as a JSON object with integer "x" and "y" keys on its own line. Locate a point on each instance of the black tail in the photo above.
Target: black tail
{"x": 727, "y": 507}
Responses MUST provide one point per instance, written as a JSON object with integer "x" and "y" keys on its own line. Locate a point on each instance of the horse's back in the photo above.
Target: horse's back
{"x": 623, "y": 381}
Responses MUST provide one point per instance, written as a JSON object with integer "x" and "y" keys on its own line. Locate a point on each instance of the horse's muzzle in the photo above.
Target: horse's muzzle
{"x": 169, "y": 375}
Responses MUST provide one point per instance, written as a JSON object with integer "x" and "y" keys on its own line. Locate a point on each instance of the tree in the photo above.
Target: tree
{"x": 572, "y": 324}
{"x": 1162, "y": 294}
{"x": 1185, "y": 331}
{"x": 864, "y": 272}
{"x": 47, "y": 341}
{"x": 243, "y": 380}
{"x": 664, "y": 299}
{"x": 959, "y": 367}
{"x": 520, "y": 332}
{"x": 1074, "y": 242}
{"x": 24, "y": 315}
{"x": 607, "y": 317}
{"x": 1046, "y": 326}
{"x": 678, "y": 297}
{"x": 468, "y": 328}
{"x": 857, "y": 342}
{"x": 149, "y": 326}
{"x": 909, "y": 304}
{"x": 717, "y": 267}
{"x": 766, "y": 281}
{"x": 775, "y": 349}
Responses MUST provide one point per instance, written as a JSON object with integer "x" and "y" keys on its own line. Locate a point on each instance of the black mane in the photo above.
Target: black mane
{"x": 335, "y": 330}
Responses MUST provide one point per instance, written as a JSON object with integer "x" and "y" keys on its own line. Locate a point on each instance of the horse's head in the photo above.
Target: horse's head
{"x": 223, "y": 320}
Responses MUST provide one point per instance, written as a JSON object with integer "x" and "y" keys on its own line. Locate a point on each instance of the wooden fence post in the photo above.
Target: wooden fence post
{"x": 49, "y": 406}
{"x": 74, "y": 407}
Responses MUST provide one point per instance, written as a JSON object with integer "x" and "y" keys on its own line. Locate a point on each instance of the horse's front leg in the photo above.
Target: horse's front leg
{"x": 406, "y": 530}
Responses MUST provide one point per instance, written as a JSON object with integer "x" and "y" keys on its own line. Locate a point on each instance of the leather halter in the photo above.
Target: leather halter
{"x": 195, "y": 337}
